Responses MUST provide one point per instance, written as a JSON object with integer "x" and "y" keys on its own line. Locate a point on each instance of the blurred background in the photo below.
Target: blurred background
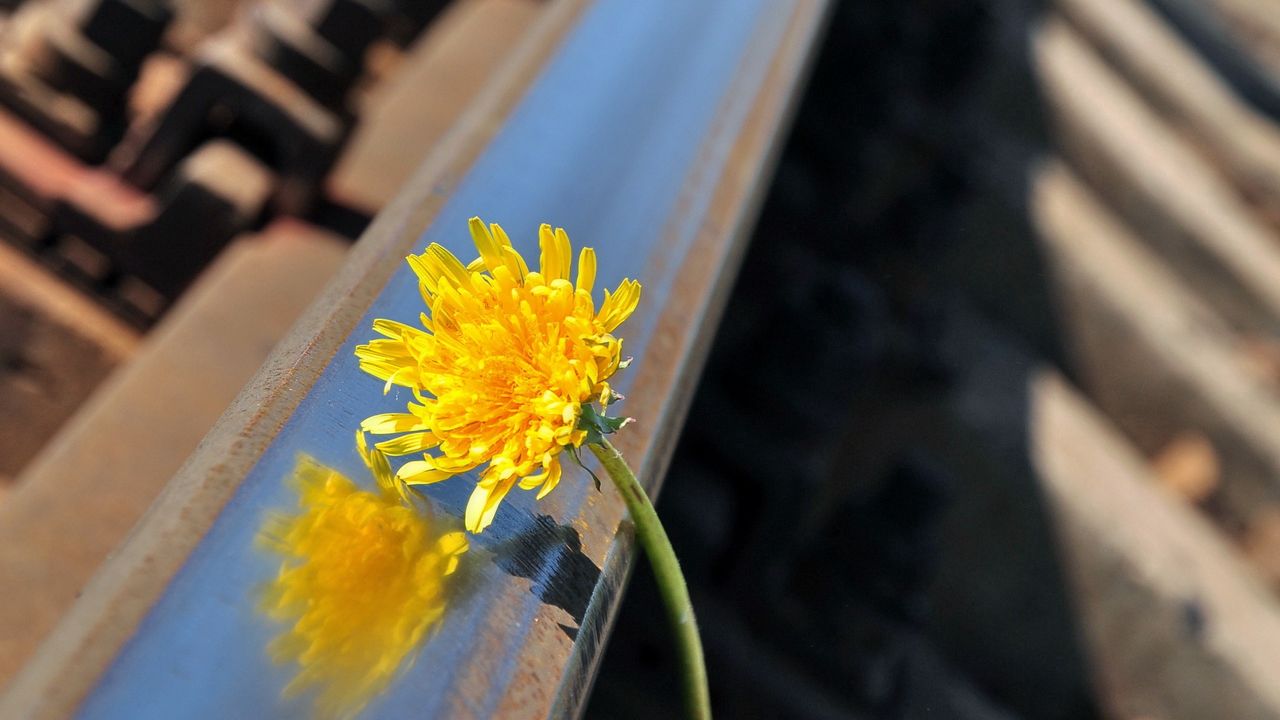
{"x": 990, "y": 428}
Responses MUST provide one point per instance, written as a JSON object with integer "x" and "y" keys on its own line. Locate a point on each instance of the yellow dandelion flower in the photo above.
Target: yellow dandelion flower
{"x": 502, "y": 366}
{"x": 363, "y": 580}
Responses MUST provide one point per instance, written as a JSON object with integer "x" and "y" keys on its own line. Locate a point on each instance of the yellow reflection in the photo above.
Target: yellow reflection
{"x": 363, "y": 579}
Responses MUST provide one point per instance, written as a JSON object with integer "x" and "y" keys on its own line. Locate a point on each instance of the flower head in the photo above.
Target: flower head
{"x": 501, "y": 367}
{"x": 362, "y": 580}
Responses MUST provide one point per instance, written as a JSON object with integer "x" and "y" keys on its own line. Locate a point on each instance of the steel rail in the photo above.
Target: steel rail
{"x": 646, "y": 129}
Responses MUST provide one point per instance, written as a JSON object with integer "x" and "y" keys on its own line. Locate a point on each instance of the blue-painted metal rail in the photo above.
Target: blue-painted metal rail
{"x": 647, "y": 132}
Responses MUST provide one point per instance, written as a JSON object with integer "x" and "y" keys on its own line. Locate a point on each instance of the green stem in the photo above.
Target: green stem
{"x": 666, "y": 569}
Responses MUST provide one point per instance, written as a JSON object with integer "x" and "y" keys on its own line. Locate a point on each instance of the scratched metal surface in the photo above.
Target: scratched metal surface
{"x": 619, "y": 141}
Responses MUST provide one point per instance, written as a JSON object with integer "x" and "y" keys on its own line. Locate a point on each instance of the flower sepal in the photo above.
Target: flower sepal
{"x": 598, "y": 425}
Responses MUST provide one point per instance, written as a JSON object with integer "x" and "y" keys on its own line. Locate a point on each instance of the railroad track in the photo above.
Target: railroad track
{"x": 1074, "y": 387}
{"x": 665, "y": 180}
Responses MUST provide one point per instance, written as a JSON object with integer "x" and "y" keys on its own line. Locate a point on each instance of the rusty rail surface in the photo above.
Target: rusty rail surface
{"x": 647, "y": 130}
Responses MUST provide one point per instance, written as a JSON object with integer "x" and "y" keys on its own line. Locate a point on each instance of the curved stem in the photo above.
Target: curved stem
{"x": 666, "y": 569}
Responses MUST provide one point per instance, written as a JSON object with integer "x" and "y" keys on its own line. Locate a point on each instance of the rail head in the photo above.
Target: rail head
{"x": 647, "y": 130}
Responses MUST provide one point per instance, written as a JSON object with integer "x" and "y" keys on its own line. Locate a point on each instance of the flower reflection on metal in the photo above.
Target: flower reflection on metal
{"x": 364, "y": 578}
{"x": 503, "y": 370}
